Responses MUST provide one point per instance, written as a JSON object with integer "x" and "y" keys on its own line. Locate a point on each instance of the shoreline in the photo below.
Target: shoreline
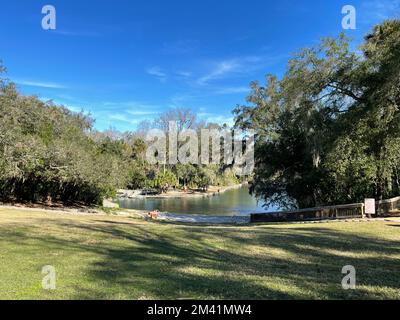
{"x": 77, "y": 211}
{"x": 186, "y": 219}
{"x": 212, "y": 191}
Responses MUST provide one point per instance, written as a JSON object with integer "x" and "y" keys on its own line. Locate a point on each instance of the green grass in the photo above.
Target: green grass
{"x": 108, "y": 257}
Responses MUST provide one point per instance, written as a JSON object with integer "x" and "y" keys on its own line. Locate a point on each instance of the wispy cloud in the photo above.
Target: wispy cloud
{"x": 61, "y": 102}
{"x": 142, "y": 113}
{"x": 216, "y": 118}
{"x": 233, "y": 90}
{"x": 40, "y": 84}
{"x": 157, "y": 72}
{"x": 237, "y": 66}
{"x": 374, "y": 11}
{"x": 182, "y": 100}
{"x": 121, "y": 120}
{"x": 126, "y": 113}
{"x": 183, "y": 73}
{"x": 131, "y": 118}
{"x": 124, "y": 118}
{"x": 219, "y": 70}
{"x": 132, "y": 107}
{"x": 76, "y": 33}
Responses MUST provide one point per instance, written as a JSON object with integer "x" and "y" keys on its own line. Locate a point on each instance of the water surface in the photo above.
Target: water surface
{"x": 232, "y": 202}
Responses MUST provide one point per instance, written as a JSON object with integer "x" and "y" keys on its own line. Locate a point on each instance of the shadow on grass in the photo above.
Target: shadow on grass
{"x": 167, "y": 261}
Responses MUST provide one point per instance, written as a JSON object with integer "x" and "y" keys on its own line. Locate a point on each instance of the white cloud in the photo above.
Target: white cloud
{"x": 141, "y": 113}
{"x": 115, "y": 119}
{"x": 233, "y": 90}
{"x": 40, "y": 84}
{"x": 219, "y": 70}
{"x": 183, "y": 100}
{"x": 183, "y": 73}
{"x": 216, "y": 118}
{"x": 76, "y": 33}
{"x": 157, "y": 72}
{"x": 238, "y": 66}
{"x": 122, "y": 117}
{"x": 61, "y": 102}
{"x": 221, "y": 120}
{"x": 128, "y": 112}
{"x": 374, "y": 11}
{"x": 132, "y": 107}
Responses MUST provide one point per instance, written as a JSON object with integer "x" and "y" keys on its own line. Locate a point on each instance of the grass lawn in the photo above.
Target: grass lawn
{"x": 108, "y": 257}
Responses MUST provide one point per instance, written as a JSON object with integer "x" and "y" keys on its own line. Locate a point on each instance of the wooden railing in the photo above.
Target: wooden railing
{"x": 355, "y": 210}
{"x": 346, "y": 211}
{"x": 388, "y": 206}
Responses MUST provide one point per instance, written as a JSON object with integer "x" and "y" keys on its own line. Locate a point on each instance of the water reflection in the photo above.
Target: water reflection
{"x": 232, "y": 202}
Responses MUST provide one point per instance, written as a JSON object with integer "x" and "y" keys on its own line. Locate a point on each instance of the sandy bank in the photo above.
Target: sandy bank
{"x": 212, "y": 191}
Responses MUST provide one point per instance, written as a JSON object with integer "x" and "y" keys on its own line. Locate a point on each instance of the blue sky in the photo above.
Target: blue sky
{"x": 127, "y": 61}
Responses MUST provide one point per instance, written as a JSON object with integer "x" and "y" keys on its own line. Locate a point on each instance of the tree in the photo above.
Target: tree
{"x": 46, "y": 152}
{"x": 372, "y": 127}
{"x": 184, "y": 118}
{"x": 165, "y": 180}
{"x": 328, "y": 131}
{"x": 184, "y": 173}
{"x": 204, "y": 177}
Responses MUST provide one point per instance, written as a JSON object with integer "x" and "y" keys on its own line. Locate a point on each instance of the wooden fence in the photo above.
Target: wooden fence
{"x": 390, "y": 206}
{"x": 347, "y": 211}
{"x": 355, "y": 210}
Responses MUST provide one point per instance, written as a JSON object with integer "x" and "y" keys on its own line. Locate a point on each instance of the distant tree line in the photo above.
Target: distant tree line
{"x": 328, "y": 131}
{"x": 48, "y": 154}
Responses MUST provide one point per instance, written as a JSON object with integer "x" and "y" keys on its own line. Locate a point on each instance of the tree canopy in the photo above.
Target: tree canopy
{"x": 328, "y": 131}
{"x": 48, "y": 153}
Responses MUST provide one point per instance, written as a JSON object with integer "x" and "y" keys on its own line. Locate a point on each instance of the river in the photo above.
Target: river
{"x": 236, "y": 201}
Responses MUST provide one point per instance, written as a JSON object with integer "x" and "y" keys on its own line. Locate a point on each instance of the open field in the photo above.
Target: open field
{"x": 108, "y": 257}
